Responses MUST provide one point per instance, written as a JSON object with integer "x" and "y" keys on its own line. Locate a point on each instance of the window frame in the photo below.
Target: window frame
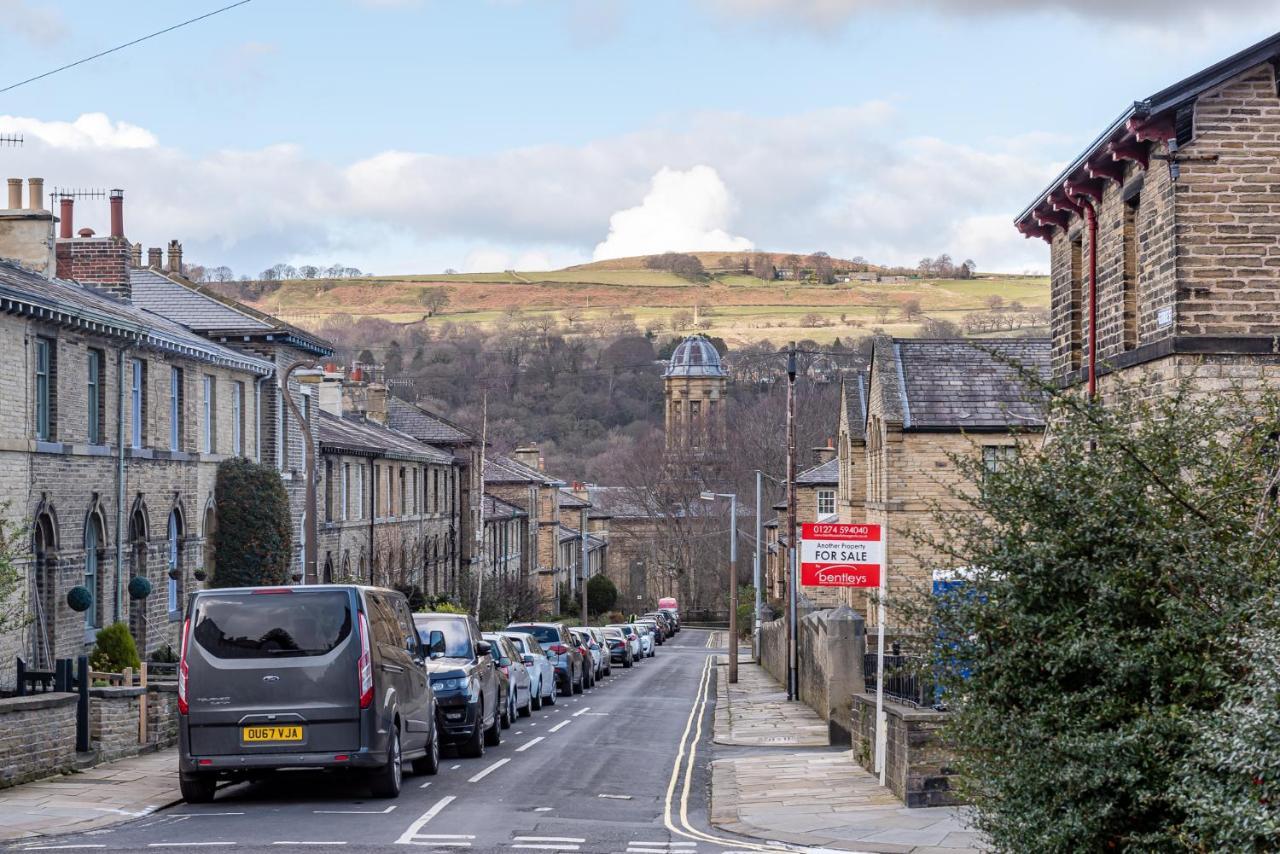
{"x": 94, "y": 360}
{"x": 176, "y": 396}
{"x": 825, "y": 495}
{"x": 137, "y": 402}
{"x": 237, "y": 418}
{"x": 45, "y": 387}
{"x": 173, "y": 560}
{"x": 208, "y": 411}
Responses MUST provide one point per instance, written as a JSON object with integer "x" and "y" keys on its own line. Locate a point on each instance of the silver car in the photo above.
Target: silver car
{"x": 542, "y": 673}
{"x": 510, "y": 661}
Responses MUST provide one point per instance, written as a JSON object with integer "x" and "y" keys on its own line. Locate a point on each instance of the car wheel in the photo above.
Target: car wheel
{"x": 385, "y": 781}
{"x": 493, "y": 735}
{"x": 535, "y": 700}
{"x": 473, "y": 747}
{"x": 550, "y": 699}
{"x": 197, "y": 788}
{"x": 430, "y": 763}
{"x": 527, "y": 710}
{"x": 577, "y": 686}
{"x": 627, "y": 662}
{"x": 504, "y": 719}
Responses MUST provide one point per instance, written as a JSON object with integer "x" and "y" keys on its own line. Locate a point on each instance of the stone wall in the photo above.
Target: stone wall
{"x": 773, "y": 649}
{"x": 918, "y": 763}
{"x": 37, "y": 737}
{"x": 162, "y": 714}
{"x": 113, "y": 721}
{"x": 829, "y": 650}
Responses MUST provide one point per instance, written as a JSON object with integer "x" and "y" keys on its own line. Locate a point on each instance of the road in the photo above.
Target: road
{"x": 620, "y": 768}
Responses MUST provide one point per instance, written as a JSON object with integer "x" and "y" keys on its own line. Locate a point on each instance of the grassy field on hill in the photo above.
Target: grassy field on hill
{"x": 737, "y": 307}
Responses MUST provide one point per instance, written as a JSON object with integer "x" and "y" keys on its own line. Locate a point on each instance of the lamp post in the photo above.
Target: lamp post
{"x": 309, "y": 375}
{"x": 733, "y": 577}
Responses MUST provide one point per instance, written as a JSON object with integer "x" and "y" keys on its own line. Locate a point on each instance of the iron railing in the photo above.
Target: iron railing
{"x": 908, "y": 679}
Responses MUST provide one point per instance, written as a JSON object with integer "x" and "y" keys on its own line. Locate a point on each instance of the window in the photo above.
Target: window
{"x": 45, "y": 389}
{"x": 174, "y": 562}
{"x": 435, "y": 491}
{"x": 237, "y": 419}
{"x": 376, "y": 471}
{"x": 328, "y": 491}
{"x": 403, "y": 494}
{"x": 1075, "y": 311}
{"x": 208, "y": 429}
{"x": 996, "y": 457}
{"x": 344, "y": 505}
{"x": 357, "y": 509}
{"x": 415, "y": 491}
{"x": 137, "y": 402}
{"x": 826, "y": 503}
{"x": 308, "y": 623}
{"x": 92, "y": 544}
{"x": 95, "y": 397}
{"x": 175, "y": 409}
{"x": 1130, "y": 307}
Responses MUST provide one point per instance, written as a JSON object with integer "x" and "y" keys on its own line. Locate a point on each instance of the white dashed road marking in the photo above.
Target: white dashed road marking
{"x": 355, "y": 812}
{"x": 486, "y": 772}
{"x": 560, "y": 726}
{"x": 581, "y": 711}
{"x": 522, "y": 748}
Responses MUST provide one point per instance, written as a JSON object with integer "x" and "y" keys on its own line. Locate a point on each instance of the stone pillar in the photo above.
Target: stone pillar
{"x": 846, "y": 644}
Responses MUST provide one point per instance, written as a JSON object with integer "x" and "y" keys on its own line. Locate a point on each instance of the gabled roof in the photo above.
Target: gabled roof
{"x": 423, "y": 425}
{"x": 951, "y": 384}
{"x": 823, "y": 474}
{"x": 568, "y": 534}
{"x": 212, "y": 314}
{"x": 82, "y": 307}
{"x": 368, "y": 437}
{"x": 853, "y": 390}
{"x": 571, "y": 501}
{"x": 495, "y": 509}
{"x": 500, "y": 469}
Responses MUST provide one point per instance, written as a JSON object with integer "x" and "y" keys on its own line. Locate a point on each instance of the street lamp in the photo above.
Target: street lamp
{"x": 309, "y": 376}
{"x": 733, "y": 577}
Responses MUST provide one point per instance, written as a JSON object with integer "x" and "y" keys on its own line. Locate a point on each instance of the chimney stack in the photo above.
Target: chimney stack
{"x": 528, "y": 455}
{"x": 377, "y": 404}
{"x": 35, "y": 194}
{"x": 27, "y": 235}
{"x": 15, "y": 194}
{"x": 175, "y": 257}
{"x": 824, "y": 455}
{"x": 65, "y": 205}
{"x": 135, "y": 255}
{"x": 117, "y": 213}
{"x": 153, "y": 258}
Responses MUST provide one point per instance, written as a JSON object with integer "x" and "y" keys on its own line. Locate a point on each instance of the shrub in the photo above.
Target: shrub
{"x": 417, "y": 601}
{"x": 449, "y": 608}
{"x": 114, "y": 650}
{"x": 163, "y": 655}
{"x": 602, "y": 594}
{"x": 254, "y": 541}
{"x": 1091, "y": 653}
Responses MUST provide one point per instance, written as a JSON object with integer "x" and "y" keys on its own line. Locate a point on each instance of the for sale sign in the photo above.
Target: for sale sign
{"x": 837, "y": 555}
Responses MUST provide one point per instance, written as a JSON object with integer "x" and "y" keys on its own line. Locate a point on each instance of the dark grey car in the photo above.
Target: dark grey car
{"x": 465, "y": 679}
{"x": 323, "y": 676}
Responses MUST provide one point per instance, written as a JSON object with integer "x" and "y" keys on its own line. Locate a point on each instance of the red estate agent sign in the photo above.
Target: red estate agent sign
{"x": 836, "y": 555}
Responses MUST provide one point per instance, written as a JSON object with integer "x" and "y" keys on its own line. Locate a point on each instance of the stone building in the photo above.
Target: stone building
{"x": 506, "y": 530}
{"x": 1175, "y": 204}
{"x": 851, "y": 448}
{"x": 928, "y": 402}
{"x": 520, "y": 481}
{"x": 115, "y": 421}
{"x": 694, "y": 385}
{"x": 162, "y": 289}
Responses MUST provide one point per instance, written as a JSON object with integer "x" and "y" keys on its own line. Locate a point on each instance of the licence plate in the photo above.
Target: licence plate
{"x": 271, "y": 733}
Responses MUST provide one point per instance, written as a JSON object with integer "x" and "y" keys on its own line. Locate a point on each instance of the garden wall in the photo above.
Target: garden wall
{"x": 37, "y": 737}
{"x": 918, "y": 762}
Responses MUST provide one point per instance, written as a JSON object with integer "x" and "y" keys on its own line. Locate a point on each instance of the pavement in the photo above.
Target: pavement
{"x": 96, "y": 798}
{"x": 817, "y": 797}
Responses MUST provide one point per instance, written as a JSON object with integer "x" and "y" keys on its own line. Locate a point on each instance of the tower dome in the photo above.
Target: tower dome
{"x": 695, "y": 356}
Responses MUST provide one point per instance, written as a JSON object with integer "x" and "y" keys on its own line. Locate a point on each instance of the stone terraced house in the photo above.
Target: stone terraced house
{"x": 115, "y": 419}
{"x": 1176, "y": 205}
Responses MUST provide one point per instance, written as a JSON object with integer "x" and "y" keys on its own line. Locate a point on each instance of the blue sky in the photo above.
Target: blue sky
{"x": 403, "y": 136}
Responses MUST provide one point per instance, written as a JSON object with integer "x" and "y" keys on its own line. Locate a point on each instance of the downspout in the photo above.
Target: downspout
{"x": 257, "y": 414}
{"x": 373, "y": 507}
{"x": 120, "y": 484}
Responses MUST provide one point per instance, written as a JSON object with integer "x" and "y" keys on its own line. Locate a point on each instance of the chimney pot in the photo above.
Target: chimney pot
{"x": 85, "y": 232}
{"x": 153, "y": 258}
{"x": 35, "y": 194}
{"x": 117, "y": 213}
{"x": 65, "y": 205}
{"x": 824, "y": 455}
{"x": 15, "y": 194}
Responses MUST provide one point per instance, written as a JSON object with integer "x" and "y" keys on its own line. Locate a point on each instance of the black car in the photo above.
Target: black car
{"x": 322, "y": 676}
{"x": 469, "y": 696}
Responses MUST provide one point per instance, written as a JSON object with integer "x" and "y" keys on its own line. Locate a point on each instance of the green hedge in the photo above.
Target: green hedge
{"x": 254, "y": 541}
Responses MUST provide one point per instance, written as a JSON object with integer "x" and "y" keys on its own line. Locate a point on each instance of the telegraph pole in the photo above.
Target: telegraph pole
{"x": 733, "y": 589}
{"x": 759, "y": 560}
{"x": 793, "y": 688}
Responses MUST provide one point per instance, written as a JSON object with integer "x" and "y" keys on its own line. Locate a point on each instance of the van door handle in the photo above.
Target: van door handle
{"x": 393, "y": 668}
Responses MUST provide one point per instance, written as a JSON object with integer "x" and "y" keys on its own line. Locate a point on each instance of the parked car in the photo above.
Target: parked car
{"x": 665, "y": 624}
{"x": 598, "y": 634}
{"x": 511, "y": 664}
{"x": 599, "y": 652}
{"x": 582, "y": 639}
{"x": 619, "y": 647}
{"x": 632, "y": 634}
{"x": 648, "y": 646}
{"x": 563, "y": 651}
{"x": 654, "y": 629}
{"x": 466, "y": 681}
{"x": 673, "y": 616}
{"x": 324, "y": 676}
{"x": 542, "y": 673}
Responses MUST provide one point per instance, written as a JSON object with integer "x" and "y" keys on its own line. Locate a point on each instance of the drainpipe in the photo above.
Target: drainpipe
{"x": 120, "y": 484}
{"x": 373, "y": 509}
{"x": 257, "y": 414}
{"x": 1091, "y": 216}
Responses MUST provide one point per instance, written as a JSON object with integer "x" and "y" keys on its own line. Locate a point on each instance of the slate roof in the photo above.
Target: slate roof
{"x": 423, "y": 425}
{"x": 567, "y": 534}
{"x": 855, "y": 401}
{"x": 949, "y": 384}
{"x": 348, "y": 434}
{"x": 500, "y": 469}
{"x": 621, "y": 502}
{"x": 823, "y": 474}
{"x": 80, "y": 306}
{"x": 497, "y": 509}
{"x": 571, "y": 501}
{"x": 211, "y": 313}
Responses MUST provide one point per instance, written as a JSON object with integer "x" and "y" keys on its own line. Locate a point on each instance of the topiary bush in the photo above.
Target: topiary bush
{"x": 602, "y": 594}
{"x": 79, "y": 599}
{"x": 254, "y": 541}
{"x": 139, "y": 587}
{"x": 114, "y": 650}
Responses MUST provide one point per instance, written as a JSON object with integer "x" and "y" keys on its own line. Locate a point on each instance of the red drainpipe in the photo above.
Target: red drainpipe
{"x": 1091, "y": 216}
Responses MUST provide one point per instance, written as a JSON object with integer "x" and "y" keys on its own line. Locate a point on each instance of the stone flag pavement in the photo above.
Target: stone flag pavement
{"x": 803, "y": 792}
{"x": 95, "y": 798}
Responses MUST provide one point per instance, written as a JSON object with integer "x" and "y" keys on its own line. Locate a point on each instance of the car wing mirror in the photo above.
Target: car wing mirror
{"x": 484, "y": 648}
{"x": 435, "y": 643}
{"x": 527, "y": 658}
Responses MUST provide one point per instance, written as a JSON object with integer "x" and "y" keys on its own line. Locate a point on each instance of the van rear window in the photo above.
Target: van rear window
{"x": 272, "y": 625}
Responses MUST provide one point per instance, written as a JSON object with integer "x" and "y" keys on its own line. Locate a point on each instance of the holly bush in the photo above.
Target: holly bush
{"x": 253, "y": 544}
{"x": 1097, "y": 658}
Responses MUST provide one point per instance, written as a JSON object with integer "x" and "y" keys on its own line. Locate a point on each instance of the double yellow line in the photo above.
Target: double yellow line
{"x": 685, "y": 758}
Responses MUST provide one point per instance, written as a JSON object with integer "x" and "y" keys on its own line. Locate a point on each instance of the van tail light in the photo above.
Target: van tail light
{"x": 559, "y": 648}
{"x": 183, "y": 706}
{"x": 364, "y": 668}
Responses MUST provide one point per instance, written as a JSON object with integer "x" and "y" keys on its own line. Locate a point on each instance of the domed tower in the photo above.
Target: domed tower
{"x": 695, "y": 384}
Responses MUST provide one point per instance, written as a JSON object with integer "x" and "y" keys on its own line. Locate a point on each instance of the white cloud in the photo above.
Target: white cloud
{"x": 40, "y": 26}
{"x": 825, "y": 13}
{"x": 682, "y": 212}
{"x": 845, "y": 181}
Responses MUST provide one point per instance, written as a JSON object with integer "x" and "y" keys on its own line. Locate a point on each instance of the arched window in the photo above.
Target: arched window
{"x": 93, "y": 542}
{"x": 138, "y": 569}
{"x": 210, "y": 533}
{"x": 44, "y": 546}
{"x": 173, "y": 562}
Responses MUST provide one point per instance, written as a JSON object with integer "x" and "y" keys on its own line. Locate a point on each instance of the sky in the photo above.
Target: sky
{"x": 412, "y": 136}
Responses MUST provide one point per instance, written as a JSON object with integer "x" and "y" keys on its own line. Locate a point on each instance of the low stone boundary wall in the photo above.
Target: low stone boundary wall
{"x": 37, "y": 736}
{"x": 829, "y": 650}
{"x": 113, "y": 721}
{"x": 918, "y": 762}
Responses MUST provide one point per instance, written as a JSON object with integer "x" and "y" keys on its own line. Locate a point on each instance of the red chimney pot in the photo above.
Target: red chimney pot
{"x": 117, "y": 213}
{"x": 86, "y": 232}
{"x": 64, "y": 216}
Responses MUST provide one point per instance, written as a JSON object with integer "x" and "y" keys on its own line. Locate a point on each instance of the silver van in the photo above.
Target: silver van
{"x": 317, "y": 676}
